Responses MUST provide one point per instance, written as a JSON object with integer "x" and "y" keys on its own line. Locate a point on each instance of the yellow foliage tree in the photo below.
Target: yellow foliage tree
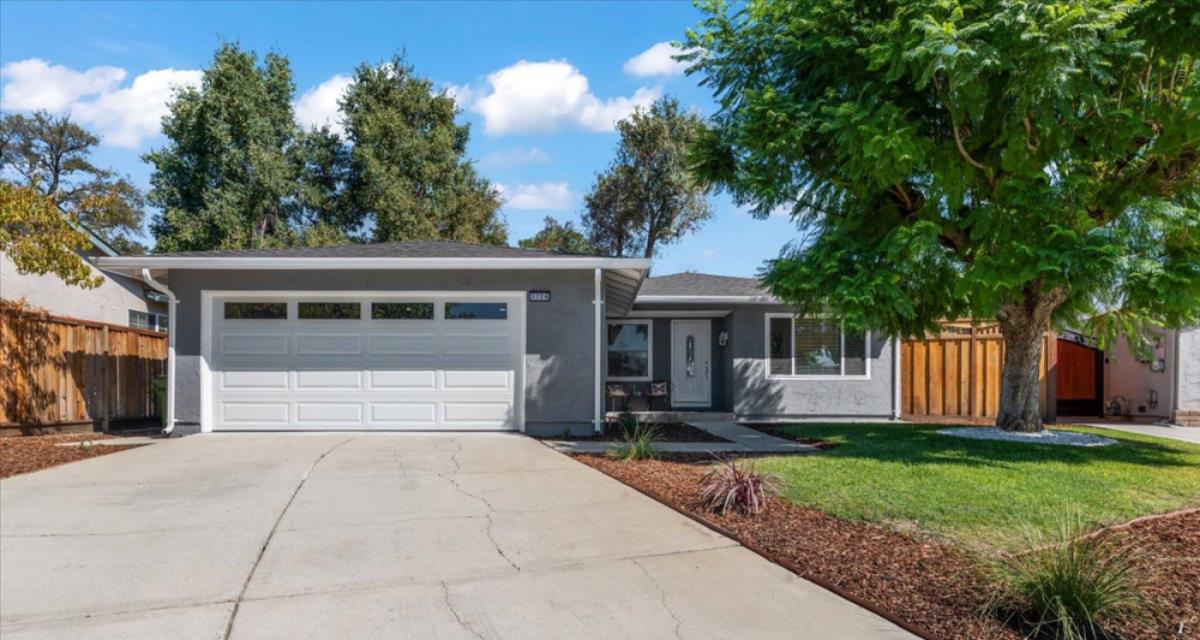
{"x": 40, "y": 238}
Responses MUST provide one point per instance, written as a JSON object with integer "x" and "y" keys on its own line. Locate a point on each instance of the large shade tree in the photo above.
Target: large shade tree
{"x": 408, "y": 175}
{"x": 648, "y": 197}
{"x": 225, "y": 180}
{"x": 1032, "y": 162}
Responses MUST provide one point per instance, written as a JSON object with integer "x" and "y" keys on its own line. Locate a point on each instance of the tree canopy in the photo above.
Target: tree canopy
{"x": 41, "y": 238}
{"x": 239, "y": 171}
{"x": 648, "y": 197}
{"x": 407, "y": 162}
{"x": 52, "y": 154}
{"x": 563, "y": 238}
{"x": 1031, "y": 162}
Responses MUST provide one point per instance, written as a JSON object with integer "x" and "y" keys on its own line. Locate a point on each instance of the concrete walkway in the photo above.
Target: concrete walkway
{"x": 1183, "y": 434}
{"x": 379, "y": 536}
{"x": 741, "y": 440}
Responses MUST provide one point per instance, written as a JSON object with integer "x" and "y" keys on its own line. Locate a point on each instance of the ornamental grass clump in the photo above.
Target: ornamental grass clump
{"x": 1067, "y": 585}
{"x": 638, "y": 444}
{"x": 734, "y": 487}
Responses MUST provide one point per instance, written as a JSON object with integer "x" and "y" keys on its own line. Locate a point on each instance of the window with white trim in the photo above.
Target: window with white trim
{"x": 146, "y": 320}
{"x": 629, "y": 350}
{"x": 815, "y": 348}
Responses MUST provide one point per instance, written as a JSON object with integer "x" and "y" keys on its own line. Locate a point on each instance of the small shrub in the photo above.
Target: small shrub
{"x": 731, "y": 486}
{"x": 627, "y": 423}
{"x": 1067, "y": 585}
{"x": 638, "y": 444}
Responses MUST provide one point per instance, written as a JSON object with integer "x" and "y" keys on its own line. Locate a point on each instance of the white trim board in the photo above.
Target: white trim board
{"x": 227, "y": 262}
{"x": 682, "y": 313}
{"x": 207, "y": 296}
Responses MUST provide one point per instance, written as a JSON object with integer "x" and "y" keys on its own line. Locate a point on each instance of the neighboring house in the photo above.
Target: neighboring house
{"x": 120, "y": 299}
{"x": 441, "y": 335}
{"x": 1164, "y": 383}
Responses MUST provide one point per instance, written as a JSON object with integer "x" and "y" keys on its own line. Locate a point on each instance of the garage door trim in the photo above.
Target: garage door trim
{"x": 207, "y": 296}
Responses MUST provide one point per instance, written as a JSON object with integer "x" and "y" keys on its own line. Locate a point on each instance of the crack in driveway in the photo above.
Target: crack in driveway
{"x": 454, "y": 612}
{"x": 491, "y": 509}
{"x": 662, "y": 595}
{"x": 237, "y": 603}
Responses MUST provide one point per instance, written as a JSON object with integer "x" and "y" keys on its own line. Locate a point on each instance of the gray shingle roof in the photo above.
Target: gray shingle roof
{"x": 408, "y": 249}
{"x": 700, "y": 284}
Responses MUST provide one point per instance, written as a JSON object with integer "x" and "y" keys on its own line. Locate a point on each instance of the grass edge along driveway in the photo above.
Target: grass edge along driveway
{"x": 979, "y": 492}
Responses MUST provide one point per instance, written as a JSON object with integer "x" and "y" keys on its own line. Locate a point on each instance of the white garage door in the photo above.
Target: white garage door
{"x": 327, "y": 361}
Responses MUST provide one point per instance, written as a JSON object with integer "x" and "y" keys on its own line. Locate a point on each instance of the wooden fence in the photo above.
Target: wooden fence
{"x": 955, "y": 375}
{"x": 64, "y": 371}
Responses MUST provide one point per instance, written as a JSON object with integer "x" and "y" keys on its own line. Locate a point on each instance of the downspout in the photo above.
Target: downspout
{"x": 1175, "y": 364}
{"x": 896, "y": 378}
{"x": 171, "y": 302}
{"x": 598, "y": 303}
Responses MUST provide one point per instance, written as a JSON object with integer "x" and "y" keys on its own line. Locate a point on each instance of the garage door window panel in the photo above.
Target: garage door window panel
{"x": 476, "y": 311}
{"x": 329, "y": 310}
{"x": 402, "y": 311}
{"x": 255, "y": 311}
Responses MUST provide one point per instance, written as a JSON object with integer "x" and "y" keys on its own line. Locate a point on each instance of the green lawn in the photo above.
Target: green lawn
{"x": 975, "y": 491}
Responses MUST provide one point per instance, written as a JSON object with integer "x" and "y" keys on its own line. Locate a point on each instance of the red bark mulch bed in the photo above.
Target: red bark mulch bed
{"x": 23, "y": 454}
{"x": 1172, "y": 569}
{"x": 932, "y": 588}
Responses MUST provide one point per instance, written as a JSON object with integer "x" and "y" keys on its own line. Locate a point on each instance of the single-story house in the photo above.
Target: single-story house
{"x": 120, "y": 299}
{"x": 434, "y": 335}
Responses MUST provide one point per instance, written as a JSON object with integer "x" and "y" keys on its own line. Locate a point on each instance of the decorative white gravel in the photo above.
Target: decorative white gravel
{"x": 1046, "y": 436}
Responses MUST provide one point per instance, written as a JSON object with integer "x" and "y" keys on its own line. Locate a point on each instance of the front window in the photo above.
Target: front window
{"x": 814, "y": 347}
{"x": 629, "y": 350}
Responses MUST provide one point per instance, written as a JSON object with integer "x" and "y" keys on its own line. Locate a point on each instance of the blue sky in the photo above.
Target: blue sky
{"x": 539, "y": 82}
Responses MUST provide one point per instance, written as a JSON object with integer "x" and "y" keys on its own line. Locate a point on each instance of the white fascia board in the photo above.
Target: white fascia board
{"x": 709, "y": 299}
{"x": 286, "y": 263}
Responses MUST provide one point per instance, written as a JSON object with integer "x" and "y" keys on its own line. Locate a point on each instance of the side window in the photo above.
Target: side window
{"x": 256, "y": 311}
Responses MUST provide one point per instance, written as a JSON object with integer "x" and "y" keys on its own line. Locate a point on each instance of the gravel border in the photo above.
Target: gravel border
{"x": 1045, "y": 436}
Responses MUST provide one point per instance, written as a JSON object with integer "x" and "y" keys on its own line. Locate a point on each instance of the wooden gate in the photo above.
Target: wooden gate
{"x": 63, "y": 371}
{"x": 954, "y": 376}
{"x": 1080, "y": 379}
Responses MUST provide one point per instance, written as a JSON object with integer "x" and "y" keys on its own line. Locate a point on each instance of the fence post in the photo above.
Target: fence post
{"x": 1051, "y": 341}
{"x": 971, "y": 382}
{"x": 104, "y": 412}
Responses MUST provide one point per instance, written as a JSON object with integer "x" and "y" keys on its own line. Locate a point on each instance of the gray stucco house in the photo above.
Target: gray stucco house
{"x": 433, "y": 335}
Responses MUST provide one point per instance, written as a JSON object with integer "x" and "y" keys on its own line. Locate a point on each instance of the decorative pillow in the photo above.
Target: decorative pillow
{"x": 617, "y": 390}
{"x": 657, "y": 389}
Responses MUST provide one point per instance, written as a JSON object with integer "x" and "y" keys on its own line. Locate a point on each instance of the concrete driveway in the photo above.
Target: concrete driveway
{"x": 378, "y": 536}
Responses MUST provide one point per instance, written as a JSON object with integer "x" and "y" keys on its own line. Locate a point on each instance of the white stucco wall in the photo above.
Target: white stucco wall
{"x": 1189, "y": 370}
{"x": 110, "y": 302}
{"x": 1133, "y": 381}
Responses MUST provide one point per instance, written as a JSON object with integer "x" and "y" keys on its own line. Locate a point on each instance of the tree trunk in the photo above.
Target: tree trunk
{"x": 1024, "y": 326}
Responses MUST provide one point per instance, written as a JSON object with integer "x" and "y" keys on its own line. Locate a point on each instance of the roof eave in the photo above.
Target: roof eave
{"x": 137, "y": 263}
{"x": 687, "y": 299}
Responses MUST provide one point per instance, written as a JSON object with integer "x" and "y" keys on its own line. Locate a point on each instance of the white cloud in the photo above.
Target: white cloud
{"x": 462, "y": 94}
{"x": 122, "y": 117}
{"x": 656, "y": 61}
{"x": 319, "y": 106}
{"x": 544, "y": 196}
{"x": 540, "y": 97}
{"x": 126, "y": 116}
{"x": 35, "y": 84}
{"x": 514, "y": 157}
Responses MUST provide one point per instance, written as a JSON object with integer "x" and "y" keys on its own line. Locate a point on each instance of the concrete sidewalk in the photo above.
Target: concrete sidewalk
{"x": 379, "y": 536}
{"x": 740, "y": 440}
{"x": 1171, "y": 432}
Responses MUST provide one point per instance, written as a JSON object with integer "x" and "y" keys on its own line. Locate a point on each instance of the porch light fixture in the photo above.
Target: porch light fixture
{"x": 722, "y": 338}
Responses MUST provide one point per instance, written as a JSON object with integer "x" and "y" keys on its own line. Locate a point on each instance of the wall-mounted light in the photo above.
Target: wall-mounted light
{"x": 723, "y": 338}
